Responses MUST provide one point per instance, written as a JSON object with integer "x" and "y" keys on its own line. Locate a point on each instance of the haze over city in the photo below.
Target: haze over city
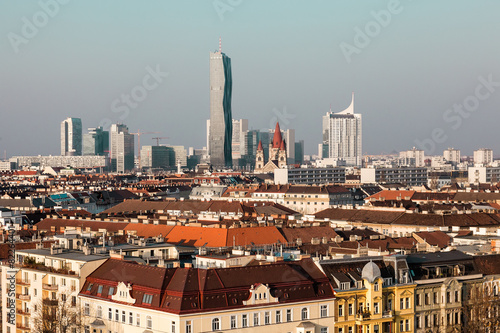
{"x": 288, "y": 58}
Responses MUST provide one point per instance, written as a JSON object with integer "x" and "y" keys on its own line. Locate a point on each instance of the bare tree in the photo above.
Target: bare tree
{"x": 481, "y": 310}
{"x": 60, "y": 314}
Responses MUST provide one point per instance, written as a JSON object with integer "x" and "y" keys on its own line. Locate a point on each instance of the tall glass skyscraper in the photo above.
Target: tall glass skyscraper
{"x": 71, "y": 137}
{"x": 221, "y": 126}
{"x": 122, "y": 148}
{"x": 342, "y": 135}
{"x": 96, "y": 142}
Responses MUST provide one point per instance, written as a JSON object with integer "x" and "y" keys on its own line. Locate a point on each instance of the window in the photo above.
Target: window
{"x": 304, "y": 313}
{"x": 244, "y": 320}
{"x": 86, "y": 309}
{"x": 173, "y": 326}
{"x": 426, "y": 321}
{"x": 376, "y": 308}
{"x": 189, "y": 327}
{"x": 138, "y": 319}
{"x": 436, "y": 299}
{"x": 324, "y": 330}
{"x": 341, "y": 330}
{"x": 233, "y": 321}
{"x": 63, "y": 282}
{"x": 267, "y": 318}
{"x": 278, "y": 316}
{"x": 99, "y": 289}
{"x": 215, "y": 324}
{"x": 418, "y": 301}
{"x": 448, "y": 297}
{"x": 110, "y": 314}
{"x": 149, "y": 322}
{"x": 350, "y": 329}
{"x": 131, "y": 318}
{"x": 418, "y": 322}
{"x": 123, "y": 316}
{"x": 99, "y": 311}
{"x": 117, "y": 315}
{"x": 401, "y": 326}
{"x": 111, "y": 291}
{"x": 407, "y": 299}
{"x": 256, "y": 319}
{"x": 375, "y": 287}
{"x": 401, "y": 303}
{"x": 407, "y": 325}
{"x": 324, "y": 311}
{"x": 389, "y": 304}
{"x": 288, "y": 315}
{"x": 147, "y": 299}
{"x": 457, "y": 297}
{"x": 427, "y": 299}
{"x": 341, "y": 310}
{"x": 89, "y": 287}
{"x": 350, "y": 309}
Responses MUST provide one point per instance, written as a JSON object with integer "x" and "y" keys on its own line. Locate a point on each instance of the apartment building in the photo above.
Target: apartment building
{"x": 123, "y": 296}
{"x": 45, "y": 278}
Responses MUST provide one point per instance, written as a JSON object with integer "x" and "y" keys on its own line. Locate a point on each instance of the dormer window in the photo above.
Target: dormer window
{"x": 147, "y": 299}
{"x": 89, "y": 287}
{"x": 375, "y": 286}
{"x": 111, "y": 291}
{"x": 344, "y": 285}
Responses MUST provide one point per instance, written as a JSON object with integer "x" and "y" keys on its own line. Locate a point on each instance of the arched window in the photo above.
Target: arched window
{"x": 99, "y": 311}
{"x": 215, "y": 324}
{"x": 149, "y": 322}
{"x": 495, "y": 290}
{"x": 305, "y": 313}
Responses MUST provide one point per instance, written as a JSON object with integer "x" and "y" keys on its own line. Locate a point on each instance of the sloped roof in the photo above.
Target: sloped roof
{"x": 254, "y": 236}
{"x": 197, "y": 236}
{"x": 191, "y": 290}
{"x": 308, "y": 233}
{"x": 149, "y": 230}
{"x": 46, "y": 224}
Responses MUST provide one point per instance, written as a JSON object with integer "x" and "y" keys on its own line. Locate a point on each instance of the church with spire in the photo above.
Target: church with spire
{"x": 277, "y": 154}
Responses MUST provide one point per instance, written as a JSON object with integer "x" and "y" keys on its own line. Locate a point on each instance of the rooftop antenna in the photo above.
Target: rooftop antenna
{"x": 220, "y": 44}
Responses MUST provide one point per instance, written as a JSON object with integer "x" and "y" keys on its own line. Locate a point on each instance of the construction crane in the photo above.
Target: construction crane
{"x": 139, "y": 133}
{"x": 160, "y": 138}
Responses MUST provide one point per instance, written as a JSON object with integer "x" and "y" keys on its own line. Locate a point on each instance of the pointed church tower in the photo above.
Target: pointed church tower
{"x": 282, "y": 155}
{"x": 259, "y": 157}
{"x": 275, "y": 145}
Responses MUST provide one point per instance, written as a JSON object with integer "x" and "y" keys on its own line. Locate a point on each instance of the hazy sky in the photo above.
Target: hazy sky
{"x": 408, "y": 62}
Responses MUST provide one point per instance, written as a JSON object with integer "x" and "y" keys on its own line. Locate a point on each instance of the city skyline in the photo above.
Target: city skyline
{"x": 392, "y": 70}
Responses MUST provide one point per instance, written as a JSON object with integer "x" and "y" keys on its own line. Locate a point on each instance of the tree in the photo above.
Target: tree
{"x": 59, "y": 314}
{"x": 481, "y": 309}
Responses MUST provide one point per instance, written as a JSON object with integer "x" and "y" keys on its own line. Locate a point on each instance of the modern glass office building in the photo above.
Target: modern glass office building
{"x": 221, "y": 127}
{"x": 71, "y": 137}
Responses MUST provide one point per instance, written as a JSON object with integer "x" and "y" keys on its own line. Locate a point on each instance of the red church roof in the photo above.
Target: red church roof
{"x": 260, "y": 146}
{"x": 277, "y": 140}
{"x": 283, "y": 146}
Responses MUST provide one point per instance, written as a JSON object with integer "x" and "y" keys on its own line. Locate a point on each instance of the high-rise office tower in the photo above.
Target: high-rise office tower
{"x": 157, "y": 157}
{"x": 342, "y": 135}
{"x": 240, "y": 127}
{"x": 71, "y": 137}
{"x": 122, "y": 148}
{"x": 96, "y": 142}
{"x": 452, "y": 155}
{"x": 221, "y": 121}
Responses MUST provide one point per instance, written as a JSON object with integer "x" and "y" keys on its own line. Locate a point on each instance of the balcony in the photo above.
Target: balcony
{"x": 23, "y": 297}
{"x": 50, "y": 302}
{"x": 50, "y": 287}
{"x": 23, "y": 327}
{"x": 23, "y": 282}
{"x": 387, "y": 314}
{"x": 25, "y": 312}
{"x": 363, "y": 316}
